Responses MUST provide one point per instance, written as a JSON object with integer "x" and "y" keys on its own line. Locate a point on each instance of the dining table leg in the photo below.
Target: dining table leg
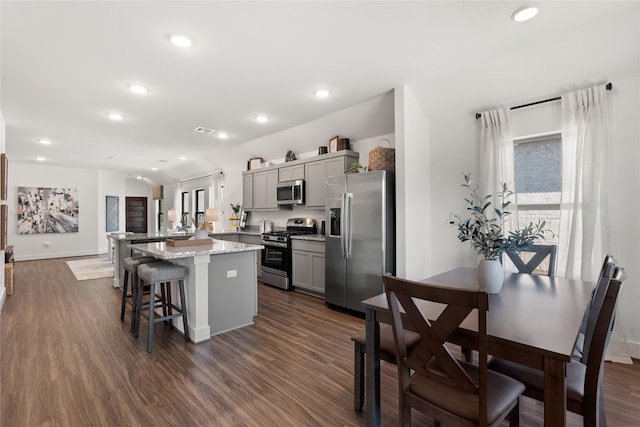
{"x": 555, "y": 393}
{"x": 372, "y": 375}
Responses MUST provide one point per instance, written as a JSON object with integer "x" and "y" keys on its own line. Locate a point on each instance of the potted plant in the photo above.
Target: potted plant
{"x": 483, "y": 228}
{"x": 234, "y": 217}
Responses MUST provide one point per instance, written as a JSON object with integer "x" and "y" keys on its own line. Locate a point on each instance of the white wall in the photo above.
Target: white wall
{"x": 2, "y": 150}
{"x": 109, "y": 184}
{"x": 449, "y": 105}
{"x": 93, "y": 187}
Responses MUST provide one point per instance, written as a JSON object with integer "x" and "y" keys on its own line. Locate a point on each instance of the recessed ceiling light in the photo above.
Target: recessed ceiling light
{"x": 154, "y": 169}
{"x": 182, "y": 158}
{"x": 262, "y": 118}
{"x": 138, "y": 177}
{"x": 180, "y": 40}
{"x": 524, "y": 13}
{"x": 40, "y": 159}
{"x": 322, "y": 93}
{"x": 115, "y": 116}
{"x": 44, "y": 141}
{"x": 138, "y": 89}
{"x": 223, "y": 135}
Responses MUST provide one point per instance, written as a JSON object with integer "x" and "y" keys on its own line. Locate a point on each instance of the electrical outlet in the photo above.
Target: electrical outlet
{"x": 47, "y": 244}
{"x": 232, "y": 273}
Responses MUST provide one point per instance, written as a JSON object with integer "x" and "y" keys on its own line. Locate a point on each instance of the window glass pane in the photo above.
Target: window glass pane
{"x": 538, "y": 166}
{"x": 538, "y": 176}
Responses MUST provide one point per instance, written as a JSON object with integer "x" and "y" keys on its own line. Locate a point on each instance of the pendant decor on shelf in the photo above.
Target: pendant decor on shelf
{"x": 490, "y": 275}
{"x": 290, "y": 156}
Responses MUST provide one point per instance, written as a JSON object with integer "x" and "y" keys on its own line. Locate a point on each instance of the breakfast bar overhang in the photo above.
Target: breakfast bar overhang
{"x": 221, "y": 284}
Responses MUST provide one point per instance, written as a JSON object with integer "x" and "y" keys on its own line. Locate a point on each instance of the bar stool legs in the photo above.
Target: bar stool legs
{"x": 163, "y": 274}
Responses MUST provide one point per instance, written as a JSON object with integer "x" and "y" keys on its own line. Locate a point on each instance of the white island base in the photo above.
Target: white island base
{"x": 221, "y": 285}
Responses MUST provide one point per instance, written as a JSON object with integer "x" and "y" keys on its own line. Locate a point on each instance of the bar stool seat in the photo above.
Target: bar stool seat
{"x": 130, "y": 266}
{"x": 163, "y": 274}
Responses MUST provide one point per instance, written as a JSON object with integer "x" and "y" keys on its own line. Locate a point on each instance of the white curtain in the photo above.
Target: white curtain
{"x": 584, "y": 220}
{"x": 497, "y": 162}
{"x": 216, "y": 197}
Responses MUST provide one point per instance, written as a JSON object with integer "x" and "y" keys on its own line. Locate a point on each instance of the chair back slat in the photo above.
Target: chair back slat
{"x": 598, "y": 346}
{"x": 595, "y": 305}
{"x": 541, "y": 252}
{"x": 430, "y": 356}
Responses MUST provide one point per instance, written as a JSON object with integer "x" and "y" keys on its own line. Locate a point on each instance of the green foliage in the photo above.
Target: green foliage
{"x": 355, "y": 165}
{"x": 236, "y": 207}
{"x": 484, "y": 233}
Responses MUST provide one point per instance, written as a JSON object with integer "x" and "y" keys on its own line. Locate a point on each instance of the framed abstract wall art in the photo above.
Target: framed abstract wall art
{"x": 47, "y": 210}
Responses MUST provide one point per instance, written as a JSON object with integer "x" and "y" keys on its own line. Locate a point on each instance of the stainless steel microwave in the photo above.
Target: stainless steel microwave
{"x": 291, "y": 192}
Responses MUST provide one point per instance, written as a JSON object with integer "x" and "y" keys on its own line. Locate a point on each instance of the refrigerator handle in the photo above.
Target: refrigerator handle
{"x": 342, "y": 225}
{"x": 347, "y": 233}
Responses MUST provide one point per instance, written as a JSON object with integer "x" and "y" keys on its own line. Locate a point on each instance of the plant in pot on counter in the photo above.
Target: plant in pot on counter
{"x": 236, "y": 210}
{"x": 483, "y": 228}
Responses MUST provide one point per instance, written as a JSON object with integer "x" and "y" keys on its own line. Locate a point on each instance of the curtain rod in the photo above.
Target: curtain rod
{"x": 608, "y": 86}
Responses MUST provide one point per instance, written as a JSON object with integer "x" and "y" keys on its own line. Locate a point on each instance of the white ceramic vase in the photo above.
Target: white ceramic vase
{"x": 490, "y": 275}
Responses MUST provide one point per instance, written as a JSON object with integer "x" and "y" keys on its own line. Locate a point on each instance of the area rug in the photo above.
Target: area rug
{"x": 86, "y": 269}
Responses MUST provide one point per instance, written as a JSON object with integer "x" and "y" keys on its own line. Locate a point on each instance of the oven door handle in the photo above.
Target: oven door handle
{"x": 274, "y": 244}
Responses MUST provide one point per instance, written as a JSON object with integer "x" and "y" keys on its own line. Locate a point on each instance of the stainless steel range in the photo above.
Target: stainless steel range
{"x": 276, "y": 255}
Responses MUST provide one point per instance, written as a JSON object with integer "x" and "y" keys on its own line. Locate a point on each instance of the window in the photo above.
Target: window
{"x": 160, "y": 218}
{"x": 199, "y": 207}
{"x": 538, "y": 176}
{"x": 185, "y": 209}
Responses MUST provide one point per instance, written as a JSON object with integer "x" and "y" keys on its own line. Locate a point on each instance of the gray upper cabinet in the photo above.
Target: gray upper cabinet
{"x": 291, "y": 173}
{"x": 247, "y": 192}
{"x": 316, "y": 173}
{"x": 264, "y": 189}
{"x": 259, "y": 187}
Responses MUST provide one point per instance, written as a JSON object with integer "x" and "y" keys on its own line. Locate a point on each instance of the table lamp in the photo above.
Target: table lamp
{"x": 211, "y": 215}
{"x": 171, "y": 215}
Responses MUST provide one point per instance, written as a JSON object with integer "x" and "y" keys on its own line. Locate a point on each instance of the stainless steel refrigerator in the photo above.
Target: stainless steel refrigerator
{"x": 360, "y": 237}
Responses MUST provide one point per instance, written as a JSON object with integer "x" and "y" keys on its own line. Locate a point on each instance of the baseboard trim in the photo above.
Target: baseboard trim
{"x": 35, "y": 257}
{"x": 634, "y": 349}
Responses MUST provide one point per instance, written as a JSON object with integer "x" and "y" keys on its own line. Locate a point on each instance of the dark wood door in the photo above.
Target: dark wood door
{"x": 136, "y": 214}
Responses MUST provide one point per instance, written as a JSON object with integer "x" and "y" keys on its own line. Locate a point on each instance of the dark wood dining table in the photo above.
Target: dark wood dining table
{"x": 534, "y": 320}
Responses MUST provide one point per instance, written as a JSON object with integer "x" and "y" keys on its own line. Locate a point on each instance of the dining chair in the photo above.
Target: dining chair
{"x": 540, "y": 254}
{"x": 387, "y": 353}
{"x": 591, "y": 314}
{"x": 584, "y": 381}
{"x": 452, "y": 392}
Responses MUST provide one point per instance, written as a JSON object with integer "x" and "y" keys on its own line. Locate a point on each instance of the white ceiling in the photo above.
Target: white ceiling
{"x": 65, "y": 65}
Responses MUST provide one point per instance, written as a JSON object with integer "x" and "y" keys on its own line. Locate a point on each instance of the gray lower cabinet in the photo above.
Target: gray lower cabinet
{"x": 229, "y": 237}
{"x": 308, "y": 259}
{"x": 254, "y": 240}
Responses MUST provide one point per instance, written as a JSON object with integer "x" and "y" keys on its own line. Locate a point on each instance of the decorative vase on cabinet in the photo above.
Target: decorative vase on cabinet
{"x": 490, "y": 275}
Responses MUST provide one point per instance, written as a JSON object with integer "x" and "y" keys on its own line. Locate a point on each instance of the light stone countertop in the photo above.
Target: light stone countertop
{"x": 162, "y": 251}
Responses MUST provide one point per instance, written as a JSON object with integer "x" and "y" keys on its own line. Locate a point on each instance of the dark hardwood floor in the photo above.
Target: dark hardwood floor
{"x": 67, "y": 360}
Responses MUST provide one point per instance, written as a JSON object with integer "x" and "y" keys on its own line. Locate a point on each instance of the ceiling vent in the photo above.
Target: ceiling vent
{"x": 201, "y": 129}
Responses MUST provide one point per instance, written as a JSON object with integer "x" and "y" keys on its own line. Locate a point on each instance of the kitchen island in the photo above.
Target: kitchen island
{"x": 121, "y": 250}
{"x": 221, "y": 285}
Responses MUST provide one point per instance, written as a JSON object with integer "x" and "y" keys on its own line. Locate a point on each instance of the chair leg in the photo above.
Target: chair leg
{"x": 183, "y": 304}
{"x": 134, "y": 302}
{"x": 152, "y": 306}
{"x": 139, "y": 294}
{"x": 163, "y": 295}
{"x": 358, "y": 376}
{"x": 468, "y": 354}
{"x": 514, "y": 415}
{"x": 124, "y": 295}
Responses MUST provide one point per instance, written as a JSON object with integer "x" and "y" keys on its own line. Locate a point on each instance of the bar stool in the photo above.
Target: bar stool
{"x": 163, "y": 274}
{"x": 130, "y": 266}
